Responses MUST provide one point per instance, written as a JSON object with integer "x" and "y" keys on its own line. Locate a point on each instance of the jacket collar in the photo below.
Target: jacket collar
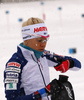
{"x": 37, "y": 53}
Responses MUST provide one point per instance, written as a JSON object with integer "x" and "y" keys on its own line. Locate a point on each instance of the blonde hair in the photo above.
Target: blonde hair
{"x": 32, "y": 21}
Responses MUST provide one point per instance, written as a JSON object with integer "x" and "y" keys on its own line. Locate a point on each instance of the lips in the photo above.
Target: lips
{"x": 41, "y": 49}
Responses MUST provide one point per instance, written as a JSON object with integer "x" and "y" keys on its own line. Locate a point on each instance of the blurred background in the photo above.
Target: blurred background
{"x": 65, "y": 22}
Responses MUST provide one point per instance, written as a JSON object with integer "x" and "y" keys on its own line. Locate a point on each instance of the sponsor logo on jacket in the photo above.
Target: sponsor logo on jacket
{"x": 14, "y": 64}
{"x": 13, "y": 75}
{"x": 11, "y": 86}
{"x": 12, "y": 69}
{"x": 9, "y": 80}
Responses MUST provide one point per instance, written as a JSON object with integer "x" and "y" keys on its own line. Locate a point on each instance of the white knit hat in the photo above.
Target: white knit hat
{"x": 34, "y": 31}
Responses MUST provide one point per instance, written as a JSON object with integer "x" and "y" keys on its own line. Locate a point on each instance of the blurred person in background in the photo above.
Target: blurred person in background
{"x": 26, "y": 76}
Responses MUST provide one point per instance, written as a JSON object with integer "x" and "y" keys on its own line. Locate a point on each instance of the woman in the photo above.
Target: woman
{"x": 26, "y": 76}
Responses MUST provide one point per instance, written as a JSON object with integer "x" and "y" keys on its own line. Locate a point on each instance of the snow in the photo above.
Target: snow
{"x": 66, "y": 29}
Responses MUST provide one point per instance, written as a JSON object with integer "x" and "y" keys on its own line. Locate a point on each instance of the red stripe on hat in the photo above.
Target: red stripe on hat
{"x": 44, "y": 36}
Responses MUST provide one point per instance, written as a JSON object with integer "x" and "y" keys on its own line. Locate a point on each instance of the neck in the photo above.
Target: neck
{"x": 37, "y": 53}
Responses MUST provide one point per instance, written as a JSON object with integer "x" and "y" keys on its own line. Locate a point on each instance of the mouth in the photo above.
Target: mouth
{"x": 41, "y": 49}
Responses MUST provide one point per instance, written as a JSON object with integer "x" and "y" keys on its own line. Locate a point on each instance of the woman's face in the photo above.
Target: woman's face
{"x": 38, "y": 44}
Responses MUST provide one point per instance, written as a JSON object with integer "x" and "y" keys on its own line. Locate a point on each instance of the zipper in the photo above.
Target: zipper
{"x": 40, "y": 71}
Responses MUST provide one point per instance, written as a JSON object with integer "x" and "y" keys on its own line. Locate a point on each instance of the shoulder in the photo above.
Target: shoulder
{"x": 17, "y": 59}
{"x": 47, "y": 53}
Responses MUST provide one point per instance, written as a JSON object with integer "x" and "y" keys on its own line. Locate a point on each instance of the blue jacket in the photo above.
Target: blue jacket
{"x": 24, "y": 73}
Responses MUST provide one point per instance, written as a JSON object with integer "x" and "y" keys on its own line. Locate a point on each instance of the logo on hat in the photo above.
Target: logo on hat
{"x": 40, "y": 29}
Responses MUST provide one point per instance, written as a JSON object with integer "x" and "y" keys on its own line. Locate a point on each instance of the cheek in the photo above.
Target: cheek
{"x": 36, "y": 45}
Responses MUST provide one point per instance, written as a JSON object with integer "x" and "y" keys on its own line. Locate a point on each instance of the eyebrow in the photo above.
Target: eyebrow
{"x": 41, "y": 38}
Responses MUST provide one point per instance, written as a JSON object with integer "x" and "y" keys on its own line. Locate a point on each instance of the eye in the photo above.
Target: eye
{"x": 42, "y": 40}
{"x": 39, "y": 40}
